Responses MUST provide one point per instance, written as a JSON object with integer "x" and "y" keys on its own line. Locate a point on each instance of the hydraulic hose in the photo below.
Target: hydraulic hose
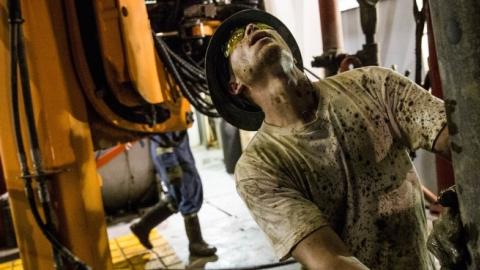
{"x": 16, "y": 46}
{"x": 192, "y": 94}
{"x": 253, "y": 267}
{"x": 18, "y": 59}
{"x": 14, "y": 85}
{"x": 160, "y": 46}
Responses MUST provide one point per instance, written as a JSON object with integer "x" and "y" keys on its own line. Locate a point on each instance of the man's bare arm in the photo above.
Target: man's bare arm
{"x": 323, "y": 249}
{"x": 442, "y": 144}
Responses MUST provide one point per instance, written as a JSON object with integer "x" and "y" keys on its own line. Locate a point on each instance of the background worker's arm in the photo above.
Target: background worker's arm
{"x": 323, "y": 249}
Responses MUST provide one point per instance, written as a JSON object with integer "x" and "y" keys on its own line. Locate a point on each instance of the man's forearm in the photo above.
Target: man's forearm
{"x": 324, "y": 250}
{"x": 348, "y": 263}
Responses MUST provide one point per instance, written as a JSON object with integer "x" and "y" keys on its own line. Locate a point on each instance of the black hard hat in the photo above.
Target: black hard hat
{"x": 236, "y": 110}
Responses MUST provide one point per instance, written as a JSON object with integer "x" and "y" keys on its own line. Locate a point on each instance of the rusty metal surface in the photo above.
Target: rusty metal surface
{"x": 457, "y": 31}
{"x": 444, "y": 169}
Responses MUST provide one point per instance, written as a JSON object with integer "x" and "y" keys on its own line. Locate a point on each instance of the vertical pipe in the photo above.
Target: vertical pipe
{"x": 457, "y": 32}
{"x": 331, "y": 26}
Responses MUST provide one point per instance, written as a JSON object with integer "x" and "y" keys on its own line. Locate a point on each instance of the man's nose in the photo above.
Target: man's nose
{"x": 251, "y": 27}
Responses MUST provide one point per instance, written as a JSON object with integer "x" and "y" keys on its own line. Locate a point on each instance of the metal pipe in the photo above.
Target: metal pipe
{"x": 457, "y": 32}
{"x": 331, "y": 25}
{"x": 368, "y": 20}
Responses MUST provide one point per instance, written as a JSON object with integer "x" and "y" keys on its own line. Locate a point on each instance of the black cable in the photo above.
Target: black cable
{"x": 14, "y": 22}
{"x": 191, "y": 60}
{"x": 33, "y": 138}
{"x": 196, "y": 78}
{"x": 253, "y": 267}
{"x": 197, "y": 89}
{"x": 195, "y": 70}
{"x": 311, "y": 73}
{"x": 188, "y": 75}
{"x": 191, "y": 71}
{"x": 197, "y": 101}
{"x": 199, "y": 84}
{"x": 160, "y": 46}
{"x": 78, "y": 264}
{"x": 200, "y": 87}
{"x": 18, "y": 59}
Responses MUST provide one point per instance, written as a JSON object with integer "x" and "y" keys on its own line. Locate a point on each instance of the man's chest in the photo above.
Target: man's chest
{"x": 314, "y": 164}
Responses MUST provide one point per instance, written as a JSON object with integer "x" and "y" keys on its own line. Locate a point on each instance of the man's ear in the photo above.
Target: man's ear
{"x": 236, "y": 88}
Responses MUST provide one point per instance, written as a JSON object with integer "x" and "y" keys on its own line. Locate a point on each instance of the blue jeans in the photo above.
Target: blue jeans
{"x": 188, "y": 194}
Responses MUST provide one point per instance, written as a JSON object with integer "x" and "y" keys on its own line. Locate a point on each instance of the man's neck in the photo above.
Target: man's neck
{"x": 287, "y": 99}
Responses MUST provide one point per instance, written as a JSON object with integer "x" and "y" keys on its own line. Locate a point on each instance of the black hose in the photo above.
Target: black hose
{"x": 189, "y": 76}
{"x": 197, "y": 101}
{"x": 18, "y": 59}
{"x": 160, "y": 46}
{"x": 16, "y": 46}
{"x": 253, "y": 267}
{"x": 33, "y": 136}
{"x": 77, "y": 263}
{"x": 198, "y": 86}
{"x": 195, "y": 70}
{"x": 14, "y": 22}
{"x": 192, "y": 61}
{"x": 311, "y": 73}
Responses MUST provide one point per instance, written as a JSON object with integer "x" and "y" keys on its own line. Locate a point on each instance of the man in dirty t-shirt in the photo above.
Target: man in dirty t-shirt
{"x": 327, "y": 176}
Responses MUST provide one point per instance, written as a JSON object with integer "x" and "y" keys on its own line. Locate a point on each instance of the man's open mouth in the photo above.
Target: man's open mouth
{"x": 258, "y": 35}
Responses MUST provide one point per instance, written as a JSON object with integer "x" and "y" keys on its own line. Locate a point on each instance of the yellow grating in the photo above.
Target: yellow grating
{"x": 129, "y": 254}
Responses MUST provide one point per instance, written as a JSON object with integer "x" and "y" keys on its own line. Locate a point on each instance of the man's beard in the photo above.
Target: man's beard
{"x": 274, "y": 60}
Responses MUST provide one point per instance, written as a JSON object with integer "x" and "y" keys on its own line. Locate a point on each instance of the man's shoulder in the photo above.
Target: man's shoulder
{"x": 260, "y": 157}
{"x": 369, "y": 72}
{"x": 364, "y": 83}
{"x": 255, "y": 150}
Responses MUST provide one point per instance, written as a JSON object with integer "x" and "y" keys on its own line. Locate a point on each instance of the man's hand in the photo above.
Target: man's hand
{"x": 446, "y": 241}
{"x": 323, "y": 249}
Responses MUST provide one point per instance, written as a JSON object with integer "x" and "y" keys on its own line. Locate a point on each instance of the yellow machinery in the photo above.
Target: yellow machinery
{"x": 79, "y": 75}
{"x": 75, "y": 109}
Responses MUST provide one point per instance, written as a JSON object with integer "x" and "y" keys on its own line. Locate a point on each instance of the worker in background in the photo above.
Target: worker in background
{"x": 327, "y": 176}
{"x": 175, "y": 167}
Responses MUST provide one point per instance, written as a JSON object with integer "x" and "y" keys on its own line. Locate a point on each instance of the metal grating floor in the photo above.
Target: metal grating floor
{"x": 129, "y": 254}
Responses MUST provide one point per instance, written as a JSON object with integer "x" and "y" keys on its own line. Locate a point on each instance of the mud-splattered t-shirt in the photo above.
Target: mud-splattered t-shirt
{"x": 348, "y": 169}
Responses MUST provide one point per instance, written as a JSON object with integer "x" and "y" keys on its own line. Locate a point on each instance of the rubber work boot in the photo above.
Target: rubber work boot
{"x": 197, "y": 246}
{"x": 149, "y": 220}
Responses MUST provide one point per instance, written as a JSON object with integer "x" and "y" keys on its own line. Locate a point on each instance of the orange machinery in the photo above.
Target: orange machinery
{"x": 94, "y": 80}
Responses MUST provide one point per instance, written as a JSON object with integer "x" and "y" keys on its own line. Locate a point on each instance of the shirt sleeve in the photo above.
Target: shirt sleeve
{"x": 282, "y": 213}
{"x": 416, "y": 116}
